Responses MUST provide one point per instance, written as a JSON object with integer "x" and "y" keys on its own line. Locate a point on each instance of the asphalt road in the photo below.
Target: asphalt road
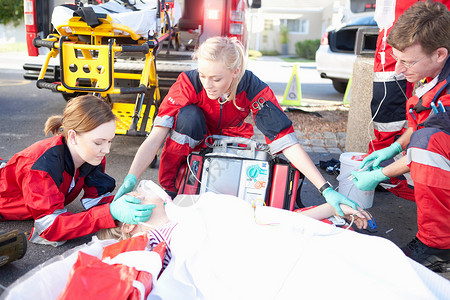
{"x": 24, "y": 109}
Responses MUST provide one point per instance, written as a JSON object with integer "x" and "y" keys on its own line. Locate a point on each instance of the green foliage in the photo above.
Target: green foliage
{"x": 294, "y": 59}
{"x": 11, "y": 11}
{"x": 284, "y": 34}
{"x": 254, "y": 53}
{"x": 13, "y": 47}
{"x": 269, "y": 52}
{"x": 307, "y": 49}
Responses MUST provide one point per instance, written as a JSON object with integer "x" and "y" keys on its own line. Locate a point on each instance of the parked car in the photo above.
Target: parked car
{"x": 339, "y": 47}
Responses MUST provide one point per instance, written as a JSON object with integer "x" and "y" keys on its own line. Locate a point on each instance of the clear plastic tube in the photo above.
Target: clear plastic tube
{"x": 365, "y": 168}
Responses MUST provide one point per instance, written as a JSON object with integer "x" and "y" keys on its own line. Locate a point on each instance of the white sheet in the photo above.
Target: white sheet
{"x": 141, "y": 22}
{"x": 221, "y": 252}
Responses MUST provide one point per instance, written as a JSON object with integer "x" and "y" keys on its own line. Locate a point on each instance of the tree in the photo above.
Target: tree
{"x": 11, "y": 11}
{"x": 284, "y": 34}
{"x": 284, "y": 39}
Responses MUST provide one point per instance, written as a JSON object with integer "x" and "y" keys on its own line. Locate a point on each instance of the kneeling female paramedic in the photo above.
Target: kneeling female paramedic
{"x": 38, "y": 182}
{"x": 215, "y": 99}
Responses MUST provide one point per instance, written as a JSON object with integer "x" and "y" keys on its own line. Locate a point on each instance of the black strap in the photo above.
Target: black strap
{"x": 89, "y": 16}
{"x": 128, "y": 5}
{"x": 298, "y": 199}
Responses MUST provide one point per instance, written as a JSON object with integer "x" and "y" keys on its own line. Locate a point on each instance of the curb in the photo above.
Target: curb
{"x": 321, "y": 142}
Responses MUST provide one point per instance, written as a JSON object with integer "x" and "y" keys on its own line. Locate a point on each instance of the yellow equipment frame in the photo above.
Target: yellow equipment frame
{"x": 88, "y": 67}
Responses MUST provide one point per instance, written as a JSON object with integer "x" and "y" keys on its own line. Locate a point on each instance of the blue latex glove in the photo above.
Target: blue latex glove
{"x": 127, "y": 209}
{"x": 127, "y": 186}
{"x": 382, "y": 155}
{"x": 368, "y": 181}
{"x": 335, "y": 199}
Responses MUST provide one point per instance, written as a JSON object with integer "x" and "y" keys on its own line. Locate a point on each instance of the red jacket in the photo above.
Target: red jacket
{"x": 252, "y": 95}
{"x": 390, "y": 121}
{"x": 428, "y": 155}
{"x": 418, "y": 109}
{"x": 36, "y": 184}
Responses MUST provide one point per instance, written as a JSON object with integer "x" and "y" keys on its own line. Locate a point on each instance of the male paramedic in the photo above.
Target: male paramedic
{"x": 421, "y": 43}
{"x": 389, "y": 94}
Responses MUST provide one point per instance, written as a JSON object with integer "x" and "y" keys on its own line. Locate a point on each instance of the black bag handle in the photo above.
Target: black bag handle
{"x": 88, "y": 15}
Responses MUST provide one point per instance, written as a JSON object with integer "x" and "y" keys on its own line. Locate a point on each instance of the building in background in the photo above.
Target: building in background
{"x": 305, "y": 20}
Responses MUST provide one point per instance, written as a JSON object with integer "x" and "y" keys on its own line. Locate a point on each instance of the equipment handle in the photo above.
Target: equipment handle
{"x": 144, "y": 48}
{"x": 222, "y": 140}
{"x": 134, "y": 90}
{"x": 38, "y": 42}
{"x": 42, "y": 84}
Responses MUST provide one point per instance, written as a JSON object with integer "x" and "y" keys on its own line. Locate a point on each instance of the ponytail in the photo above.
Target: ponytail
{"x": 240, "y": 63}
{"x": 53, "y": 125}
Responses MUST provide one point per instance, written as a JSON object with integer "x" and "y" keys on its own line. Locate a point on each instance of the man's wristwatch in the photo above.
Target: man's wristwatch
{"x": 325, "y": 186}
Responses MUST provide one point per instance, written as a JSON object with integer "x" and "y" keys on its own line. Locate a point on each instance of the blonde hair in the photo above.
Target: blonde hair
{"x": 115, "y": 233}
{"x": 230, "y": 52}
{"x": 82, "y": 114}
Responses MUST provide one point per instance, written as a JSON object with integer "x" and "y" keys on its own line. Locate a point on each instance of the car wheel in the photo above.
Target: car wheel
{"x": 340, "y": 85}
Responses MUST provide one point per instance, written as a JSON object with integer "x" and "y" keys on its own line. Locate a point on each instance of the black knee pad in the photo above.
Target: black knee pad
{"x": 191, "y": 122}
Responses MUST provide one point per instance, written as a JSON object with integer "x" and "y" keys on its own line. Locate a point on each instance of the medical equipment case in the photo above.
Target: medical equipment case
{"x": 243, "y": 168}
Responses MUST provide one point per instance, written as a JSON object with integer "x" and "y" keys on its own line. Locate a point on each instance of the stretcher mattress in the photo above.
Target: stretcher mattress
{"x": 223, "y": 248}
{"x": 141, "y": 21}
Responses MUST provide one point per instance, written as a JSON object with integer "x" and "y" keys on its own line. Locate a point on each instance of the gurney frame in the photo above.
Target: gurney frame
{"x": 87, "y": 55}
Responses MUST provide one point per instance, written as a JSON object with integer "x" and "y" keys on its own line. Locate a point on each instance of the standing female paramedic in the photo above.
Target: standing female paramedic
{"x": 38, "y": 182}
{"x": 215, "y": 99}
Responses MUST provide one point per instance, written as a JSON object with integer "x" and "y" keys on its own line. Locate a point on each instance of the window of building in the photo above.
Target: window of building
{"x": 268, "y": 24}
{"x": 296, "y": 25}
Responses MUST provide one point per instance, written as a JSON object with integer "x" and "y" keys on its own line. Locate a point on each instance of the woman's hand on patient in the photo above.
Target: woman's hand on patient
{"x": 127, "y": 186}
{"x": 127, "y": 209}
{"x": 335, "y": 199}
{"x": 360, "y": 216}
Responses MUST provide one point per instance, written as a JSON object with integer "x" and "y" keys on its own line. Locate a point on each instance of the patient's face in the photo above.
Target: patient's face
{"x": 158, "y": 216}
{"x": 147, "y": 197}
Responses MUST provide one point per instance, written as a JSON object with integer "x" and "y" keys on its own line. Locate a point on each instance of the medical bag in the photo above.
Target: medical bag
{"x": 243, "y": 168}
{"x": 286, "y": 185}
{"x": 188, "y": 180}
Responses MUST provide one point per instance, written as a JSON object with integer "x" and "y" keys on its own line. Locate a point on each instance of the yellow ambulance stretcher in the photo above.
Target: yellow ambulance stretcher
{"x": 88, "y": 45}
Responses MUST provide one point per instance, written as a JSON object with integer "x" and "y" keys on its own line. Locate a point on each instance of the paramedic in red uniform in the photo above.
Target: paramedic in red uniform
{"x": 421, "y": 43}
{"x": 38, "y": 182}
{"x": 388, "y": 103}
{"x": 215, "y": 99}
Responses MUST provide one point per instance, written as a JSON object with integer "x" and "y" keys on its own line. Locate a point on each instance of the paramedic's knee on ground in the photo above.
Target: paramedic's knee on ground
{"x": 188, "y": 132}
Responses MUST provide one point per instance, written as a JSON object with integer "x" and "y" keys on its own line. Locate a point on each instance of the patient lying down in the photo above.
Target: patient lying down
{"x": 159, "y": 227}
